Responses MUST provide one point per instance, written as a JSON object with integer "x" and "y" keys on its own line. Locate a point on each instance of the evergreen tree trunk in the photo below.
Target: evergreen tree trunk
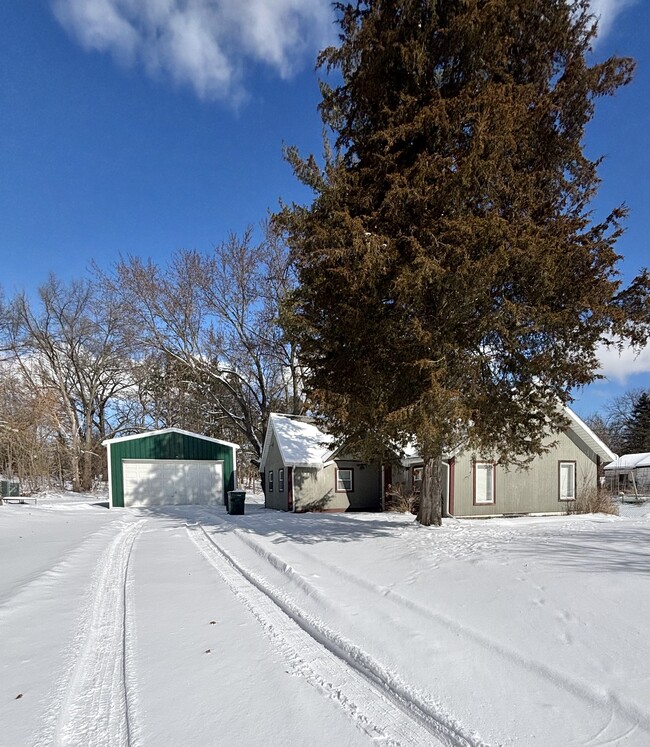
{"x": 431, "y": 496}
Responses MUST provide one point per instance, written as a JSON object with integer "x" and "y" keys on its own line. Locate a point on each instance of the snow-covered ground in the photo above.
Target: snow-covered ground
{"x": 186, "y": 626}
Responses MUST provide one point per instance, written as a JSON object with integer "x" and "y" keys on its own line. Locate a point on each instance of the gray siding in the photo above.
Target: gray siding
{"x": 315, "y": 490}
{"x": 274, "y": 462}
{"x": 521, "y": 491}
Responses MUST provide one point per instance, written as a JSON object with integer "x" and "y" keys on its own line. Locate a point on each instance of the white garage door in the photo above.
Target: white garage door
{"x": 162, "y": 482}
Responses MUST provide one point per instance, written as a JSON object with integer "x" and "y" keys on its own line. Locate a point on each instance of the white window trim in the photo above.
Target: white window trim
{"x": 281, "y": 480}
{"x": 270, "y": 481}
{"x": 493, "y": 475}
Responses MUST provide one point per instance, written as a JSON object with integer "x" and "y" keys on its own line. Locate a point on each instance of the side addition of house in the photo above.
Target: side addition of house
{"x": 301, "y": 471}
{"x": 476, "y": 485}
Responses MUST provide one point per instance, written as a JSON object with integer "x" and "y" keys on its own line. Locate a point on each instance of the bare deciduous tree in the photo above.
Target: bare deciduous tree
{"x": 72, "y": 344}
{"x": 216, "y": 316}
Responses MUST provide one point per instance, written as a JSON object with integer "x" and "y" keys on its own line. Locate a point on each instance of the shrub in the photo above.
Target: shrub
{"x": 591, "y": 500}
{"x": 401, "y": 501}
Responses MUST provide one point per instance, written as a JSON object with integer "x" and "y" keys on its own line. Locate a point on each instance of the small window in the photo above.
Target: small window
{"x": 567, "y": 481}
{"x": 281, "y": 480}
{"x": 344, "y": 480}
{"x": 484, "y": 482}
{"x": 418, "y": 475}
{"x": 270, "y": 481}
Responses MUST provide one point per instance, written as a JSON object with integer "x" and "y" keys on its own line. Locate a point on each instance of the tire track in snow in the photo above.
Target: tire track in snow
{"x": 385, "y": 708}
{"x": 95, "y": 709}
{"x": 14, "y": 595}
{"x": 624, "y": 719}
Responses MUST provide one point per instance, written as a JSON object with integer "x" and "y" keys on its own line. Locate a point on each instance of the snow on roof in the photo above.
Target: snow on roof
{"x": 629, "y": 462}
{"x": 579, "y": 427}
{"x": 301, "y": 444}
{"x": 144, "y": 434}
{"x": 411, "y": 453}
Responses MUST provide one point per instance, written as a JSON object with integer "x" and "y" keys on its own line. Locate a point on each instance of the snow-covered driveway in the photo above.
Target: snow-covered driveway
{"x": 188, "y": 626}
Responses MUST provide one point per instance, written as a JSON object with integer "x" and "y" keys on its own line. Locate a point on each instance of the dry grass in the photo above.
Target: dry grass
{"x": 401, "y": 501}
{"x": 591, "y": 500}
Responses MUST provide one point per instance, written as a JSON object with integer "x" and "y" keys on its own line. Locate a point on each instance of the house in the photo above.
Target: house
{"x": 477, "y": 486}
{"x": 170, "y": 466}
{"x": 301, "y": 471}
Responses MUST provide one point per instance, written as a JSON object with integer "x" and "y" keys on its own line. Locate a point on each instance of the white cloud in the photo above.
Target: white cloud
{"x": 620, "y": 366}
{"x": 607, "y": 11}
{"x": 202, "y": 43}
{"x": 207, "y": 43}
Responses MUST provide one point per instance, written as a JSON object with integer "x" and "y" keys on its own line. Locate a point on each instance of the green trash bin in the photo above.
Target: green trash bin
{"x": 235, "y": 502}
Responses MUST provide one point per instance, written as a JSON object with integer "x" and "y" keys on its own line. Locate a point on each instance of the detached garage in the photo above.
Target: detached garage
{"x": 170, "y": 467}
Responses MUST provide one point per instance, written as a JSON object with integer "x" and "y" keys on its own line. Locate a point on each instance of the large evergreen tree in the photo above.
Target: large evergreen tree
{"x": 637, "y": 430}
{"x": 453, "y": 286}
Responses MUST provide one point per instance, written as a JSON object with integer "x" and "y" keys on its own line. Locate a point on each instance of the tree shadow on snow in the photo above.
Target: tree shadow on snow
{"x": 301, "y": 528}
{"x": 616, "y": 550}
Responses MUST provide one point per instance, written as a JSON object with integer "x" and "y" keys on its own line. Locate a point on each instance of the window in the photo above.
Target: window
{"x": 270, "y": 481}
{"x": 567, "y": 480}
{"x": 344, "y": 480}
{"x": 281, "y": 480}
{"x": 418, "y": 474}
{"x": 484, "y": 483}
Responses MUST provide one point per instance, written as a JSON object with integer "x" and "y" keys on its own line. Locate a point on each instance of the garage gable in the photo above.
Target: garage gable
{"x": 163, "y": 471}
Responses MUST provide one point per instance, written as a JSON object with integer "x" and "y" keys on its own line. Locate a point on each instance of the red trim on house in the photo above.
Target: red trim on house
{"x": 494, "y": 484}
{"x": 452, "y": 477}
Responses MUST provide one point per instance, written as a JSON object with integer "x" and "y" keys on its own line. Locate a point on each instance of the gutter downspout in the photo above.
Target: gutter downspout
{"x": 451, "y": 474}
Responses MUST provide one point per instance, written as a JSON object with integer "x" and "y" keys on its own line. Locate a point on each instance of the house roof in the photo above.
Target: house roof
{"x": 578, "y": 426}
{"x": 583, "y": 431}
{"x": 301, "y": 443}
{"x": 411, "y": 454}
{"x": 145, "y": 434}
{"x": 628, "y": 462}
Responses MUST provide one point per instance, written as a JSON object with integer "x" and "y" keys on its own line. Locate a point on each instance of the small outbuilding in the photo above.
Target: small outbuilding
{"x": 629, "y": 476}
{"x": 170, "y": 467}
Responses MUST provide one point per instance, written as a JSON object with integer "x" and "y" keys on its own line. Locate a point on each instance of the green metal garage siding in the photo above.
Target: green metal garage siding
{"x": 171, "y": 444}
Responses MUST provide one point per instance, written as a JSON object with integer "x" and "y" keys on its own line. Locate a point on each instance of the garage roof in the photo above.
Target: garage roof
{"x": 145, "y": 434}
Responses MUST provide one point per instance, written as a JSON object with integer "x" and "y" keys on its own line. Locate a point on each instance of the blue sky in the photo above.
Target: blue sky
{"x": 143, "y": 126}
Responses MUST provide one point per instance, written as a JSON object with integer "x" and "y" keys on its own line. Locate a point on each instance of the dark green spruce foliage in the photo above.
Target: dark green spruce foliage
{"x": 452, "y": 285}
{"x": 637, "y": 431}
